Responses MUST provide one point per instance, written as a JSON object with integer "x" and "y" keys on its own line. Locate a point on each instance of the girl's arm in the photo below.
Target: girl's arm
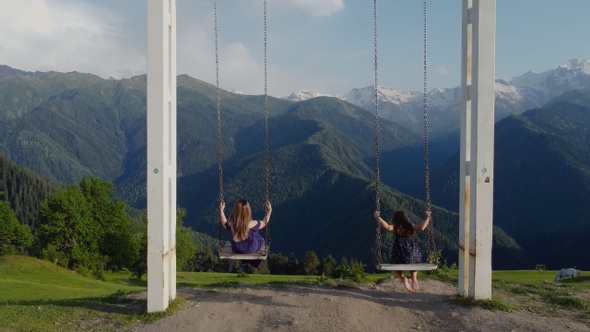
{"x": 222, "y": 218}
{"x": 424, "y": 223}
{"x": 382, "y": 222}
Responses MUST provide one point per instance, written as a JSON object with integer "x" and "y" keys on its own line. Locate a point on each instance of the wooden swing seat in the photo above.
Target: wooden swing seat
{"x": 227, "y": 253}
{"x": 407, "y": 267}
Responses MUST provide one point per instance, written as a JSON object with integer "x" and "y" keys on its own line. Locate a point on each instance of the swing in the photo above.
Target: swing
{"x": 225, "y": 251}
{"x": 431, "y": 245}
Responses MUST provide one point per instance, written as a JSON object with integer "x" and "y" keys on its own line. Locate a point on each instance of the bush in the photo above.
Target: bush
{"x": 354, "y": 271}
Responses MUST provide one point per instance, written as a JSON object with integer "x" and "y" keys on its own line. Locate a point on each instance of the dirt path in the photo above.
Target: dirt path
{"x": 384, "y": 307}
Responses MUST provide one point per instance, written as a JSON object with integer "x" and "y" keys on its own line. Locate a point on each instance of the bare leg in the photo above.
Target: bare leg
{"x": 415, "y": 284}
{"x": 404, "y": 280}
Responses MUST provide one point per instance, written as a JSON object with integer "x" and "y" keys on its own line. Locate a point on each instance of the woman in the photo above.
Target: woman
{"x": 244, "y": 230}
{"x": 405, "y": 248}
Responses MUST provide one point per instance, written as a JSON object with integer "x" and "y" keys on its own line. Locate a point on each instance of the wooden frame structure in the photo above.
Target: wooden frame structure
{"x": 477, "y": 150}
{"x": 407, "y": 267}
{"x": 227, "y": 253}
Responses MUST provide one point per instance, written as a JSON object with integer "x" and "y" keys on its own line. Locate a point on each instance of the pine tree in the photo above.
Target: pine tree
{"x": 311, "y": 263}
{"x": 14, "y": 236}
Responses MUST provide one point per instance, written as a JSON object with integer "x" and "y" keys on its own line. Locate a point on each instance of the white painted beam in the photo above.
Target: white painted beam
{"x": 477, "y": 149}
{"x": 161, "y": 153}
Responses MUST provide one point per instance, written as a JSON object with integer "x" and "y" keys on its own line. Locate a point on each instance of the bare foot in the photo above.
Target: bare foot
{"x": 415, "y": 285}
{"x": 407, "y": 284}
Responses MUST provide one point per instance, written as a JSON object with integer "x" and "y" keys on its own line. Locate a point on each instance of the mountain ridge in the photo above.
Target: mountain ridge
{"x": 322, "y": 157}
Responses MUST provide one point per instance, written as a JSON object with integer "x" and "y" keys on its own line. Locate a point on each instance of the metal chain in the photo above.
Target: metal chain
{"x": 219, "y": 151}
{"x": 266, "y": 153}
{"x": 377, "y": 179}
{"x": 431, "y": 243}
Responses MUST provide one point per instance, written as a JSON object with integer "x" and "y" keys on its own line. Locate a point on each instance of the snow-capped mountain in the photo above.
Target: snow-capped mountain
{"x": 302, "y": 95}
{"x": 513, "y": 96}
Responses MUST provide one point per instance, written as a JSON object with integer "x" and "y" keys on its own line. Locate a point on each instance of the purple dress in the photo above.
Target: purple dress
{"x": 405, "y": 250}
{"x": 250, "y": 245}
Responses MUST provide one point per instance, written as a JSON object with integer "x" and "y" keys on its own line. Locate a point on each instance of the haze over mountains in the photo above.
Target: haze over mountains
{"x": 322, "y": 157}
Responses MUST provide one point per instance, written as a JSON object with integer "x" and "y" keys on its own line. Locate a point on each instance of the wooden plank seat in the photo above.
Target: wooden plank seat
{"x": 407, "y": 267}
{"x": 227, "y": 253}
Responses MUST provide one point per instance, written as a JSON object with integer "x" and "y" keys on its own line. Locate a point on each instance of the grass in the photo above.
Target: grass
{"x": 536, "y": 291}
{"x": 37, "y": 295}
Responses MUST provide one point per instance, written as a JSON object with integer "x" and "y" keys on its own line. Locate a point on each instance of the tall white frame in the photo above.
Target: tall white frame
{"x": 161, "y": 153}
{"x": 477, "y": 148}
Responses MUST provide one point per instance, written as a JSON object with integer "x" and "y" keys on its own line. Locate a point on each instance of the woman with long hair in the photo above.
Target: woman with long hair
{"x": 405, "y": 248}
{"x": 245, "y": 236}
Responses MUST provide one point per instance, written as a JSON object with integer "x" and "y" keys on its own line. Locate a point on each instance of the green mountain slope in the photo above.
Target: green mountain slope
{"x": 22, "y": 93}
{"x": 23, "y": 189}
{"x": 542, "y": 181}
{"x": 322, "y": 160}
{"x": 321, "y": 184}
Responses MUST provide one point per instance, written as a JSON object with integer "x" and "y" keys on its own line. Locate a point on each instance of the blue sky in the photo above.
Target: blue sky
{"x": 321, "y": 45}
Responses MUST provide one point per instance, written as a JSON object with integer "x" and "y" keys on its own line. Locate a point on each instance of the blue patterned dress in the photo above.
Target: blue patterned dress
{"x": 405, "y": 250}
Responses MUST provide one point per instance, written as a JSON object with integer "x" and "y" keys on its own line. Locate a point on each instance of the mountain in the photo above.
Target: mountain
{"x": 302, "y": 95}
{"x": 22, "y": 92}
{"x": 317, "y": 148}
{"x": 321, "y": 170}
{"x": 9, "y": 71}
{"x": 542, "y": 180}
{"x": 513, "y": 96}
{"x": 322, "y": 160}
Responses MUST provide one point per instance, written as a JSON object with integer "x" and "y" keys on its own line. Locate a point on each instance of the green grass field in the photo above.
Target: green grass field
{"x": 36, "y": 295}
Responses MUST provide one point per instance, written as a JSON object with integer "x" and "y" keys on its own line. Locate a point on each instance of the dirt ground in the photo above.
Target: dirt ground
{"x": 383, "y": 307}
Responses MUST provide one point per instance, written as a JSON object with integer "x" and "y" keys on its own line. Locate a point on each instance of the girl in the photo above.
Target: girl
{"x": 405, "y": 248}
{"x": 244, "y": 230}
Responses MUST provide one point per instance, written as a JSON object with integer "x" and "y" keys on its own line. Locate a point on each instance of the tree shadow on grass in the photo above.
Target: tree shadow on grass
{"x": 119, "y": 302}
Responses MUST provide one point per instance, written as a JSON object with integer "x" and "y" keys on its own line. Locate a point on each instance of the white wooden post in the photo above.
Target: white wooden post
{"x": 161, "y": 153}
{"x": 477, "y": 148}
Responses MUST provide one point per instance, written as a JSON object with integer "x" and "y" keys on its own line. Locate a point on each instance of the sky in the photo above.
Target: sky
{"x": 325, "y": 46}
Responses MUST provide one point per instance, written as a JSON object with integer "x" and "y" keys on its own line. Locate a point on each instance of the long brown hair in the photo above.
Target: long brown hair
{"x": 402, "y": 225}
{"x": 240, "y": 217}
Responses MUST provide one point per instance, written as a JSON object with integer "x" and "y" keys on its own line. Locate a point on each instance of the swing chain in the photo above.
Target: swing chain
{"x": 266, "y": 153}
{"x": 219, "y": 145}
{"x": 377, "y": 178}
{"x": 431, "y": 243}
{"x": 221, "y": 242}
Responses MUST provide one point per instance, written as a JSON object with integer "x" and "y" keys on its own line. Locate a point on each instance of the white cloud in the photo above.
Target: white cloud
{"x": 443, "y": 71}
{"x": 239, "y": 70}
{"x": 68, "y": 36}
{"x": 319, "y": 8}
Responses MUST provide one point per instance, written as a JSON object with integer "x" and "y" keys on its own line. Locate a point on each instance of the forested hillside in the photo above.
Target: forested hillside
{"x": 542, "y": 172}
{"x": 24, "y": 190}
{"x": 322, "y": 162}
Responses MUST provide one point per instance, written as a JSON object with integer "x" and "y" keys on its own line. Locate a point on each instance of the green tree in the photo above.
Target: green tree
{"x": 293, "y": 266}
{"x": 139, "y": 267}
{"x": 263, "y": 268}
{"x": 354, "y": 271}
{"x": 311, "y": 263}
{"x": 277, "y": 263}
{"x": 118, "y": 242}
{"x": 186, "y": 249}
{"x": 329, "y": 265}
{"x": 14, "y": 236}
{"x": 68, "y": 235}
{"x": 204, "y": 261}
